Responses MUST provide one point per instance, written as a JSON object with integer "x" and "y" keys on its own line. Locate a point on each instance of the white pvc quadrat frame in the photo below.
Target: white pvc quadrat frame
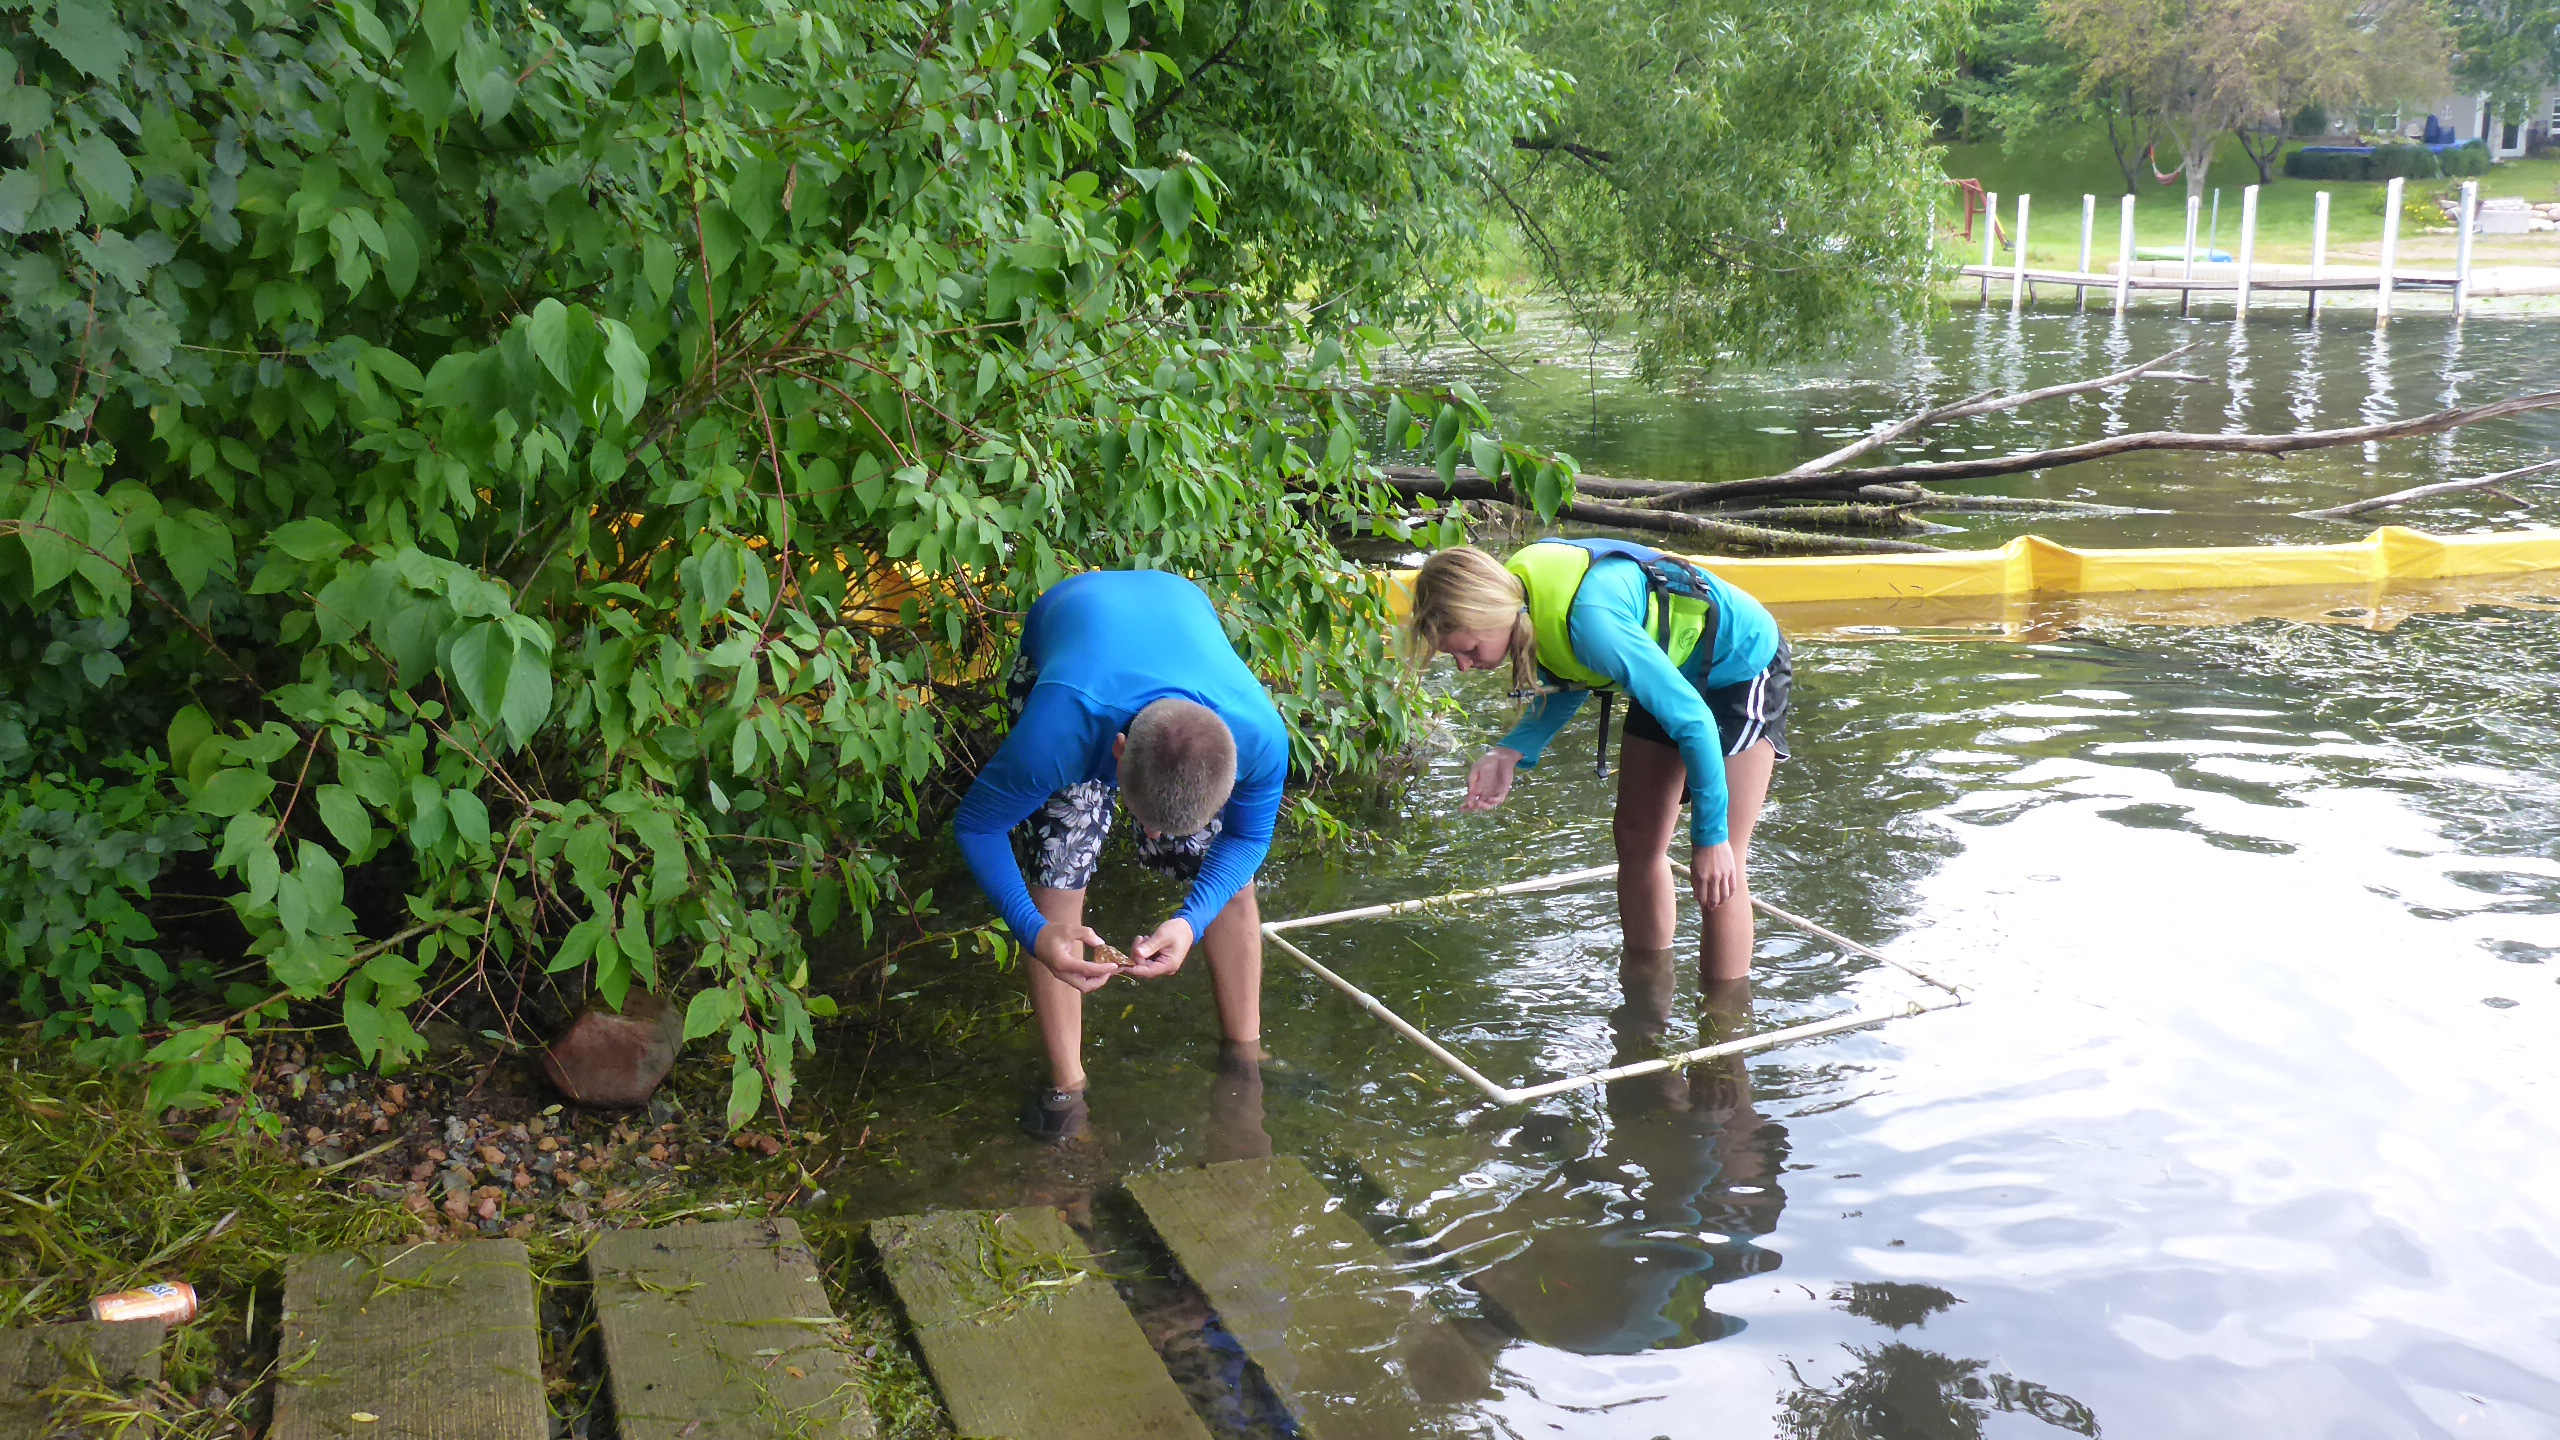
{"x": 1506, "y": 1095}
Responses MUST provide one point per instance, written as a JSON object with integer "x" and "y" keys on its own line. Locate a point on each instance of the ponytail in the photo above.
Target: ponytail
{"x": 1524, "y": 654}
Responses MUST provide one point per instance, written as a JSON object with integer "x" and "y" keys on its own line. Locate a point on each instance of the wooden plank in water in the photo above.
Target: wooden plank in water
{"x": 39, "y": 1356}
{"x": 426, "y": 1342}
{"x": 1023, "y": 1333}
{"x": 1312, "y": 1298}
{"x": 722, "y": 1331}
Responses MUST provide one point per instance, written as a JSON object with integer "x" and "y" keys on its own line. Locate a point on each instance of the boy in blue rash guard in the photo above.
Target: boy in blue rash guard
{"x": 1125, "y": 685}
{"x": 1708, "y": 673}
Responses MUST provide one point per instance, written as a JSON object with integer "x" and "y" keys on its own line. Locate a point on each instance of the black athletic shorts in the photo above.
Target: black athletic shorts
{"x": 1746, "y": 714}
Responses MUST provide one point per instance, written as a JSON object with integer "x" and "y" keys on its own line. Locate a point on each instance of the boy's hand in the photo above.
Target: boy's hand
{"x": 1714, "y": 874}
{"x": 1061, "y": 949}
{"x": 1489, "y": 779}
{"x": 1162, "y": 953}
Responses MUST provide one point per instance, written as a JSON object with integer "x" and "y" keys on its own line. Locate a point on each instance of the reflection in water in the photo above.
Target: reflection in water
{"x": 1235, "y": 1105}
{"x": 1628, "y": 1237}
{"x": 2378, "y": 407}
{"x": 1898, "y": 1392}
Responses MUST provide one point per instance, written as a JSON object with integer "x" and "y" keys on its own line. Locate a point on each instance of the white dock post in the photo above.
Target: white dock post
{"x": 2088, "y": 232}
{"x": 2391, "y": 196}
{"x": 2124, "y": 255}
{"x": 2248, "y": 246}
{"x": 2319, "y": 249}
{"x": 2469, "y": 219}
{"x": 1990, "y": 239}
{"x": 2018, "y": 261}
{"x": 2187, "y": 294}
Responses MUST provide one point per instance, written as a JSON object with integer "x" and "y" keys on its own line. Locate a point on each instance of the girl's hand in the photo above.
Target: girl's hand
{"x": 1714, "y": 874}
{"x": 1489, "y": 779}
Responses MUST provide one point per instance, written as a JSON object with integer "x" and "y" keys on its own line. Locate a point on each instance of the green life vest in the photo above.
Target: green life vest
{"x": 1551, "y": 573}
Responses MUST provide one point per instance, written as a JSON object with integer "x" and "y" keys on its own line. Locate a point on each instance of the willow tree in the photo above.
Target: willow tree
{"x": 1742, "y": 179}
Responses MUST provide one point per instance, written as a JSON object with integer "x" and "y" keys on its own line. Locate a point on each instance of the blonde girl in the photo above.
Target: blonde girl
{"x": 1707, "y": 674}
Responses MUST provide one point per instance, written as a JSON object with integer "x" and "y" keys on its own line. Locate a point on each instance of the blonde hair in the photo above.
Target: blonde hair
{"x": 1463, "y": 588}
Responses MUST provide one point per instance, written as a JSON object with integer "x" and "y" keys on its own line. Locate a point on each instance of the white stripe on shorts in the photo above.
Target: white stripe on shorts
{"x": 1756, "y": 719}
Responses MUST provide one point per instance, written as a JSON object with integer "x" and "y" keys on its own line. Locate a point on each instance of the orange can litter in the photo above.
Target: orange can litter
{"x": 170, "y": 1301}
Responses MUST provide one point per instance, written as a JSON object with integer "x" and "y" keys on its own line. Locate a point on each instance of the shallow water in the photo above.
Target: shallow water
{"x": 2248, "y": 1127}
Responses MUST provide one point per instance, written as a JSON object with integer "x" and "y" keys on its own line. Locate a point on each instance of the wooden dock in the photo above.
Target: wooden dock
{"x": 1314, "y": 1301}
{"x": 723, "y": 1331}
{"x": 718, "y": 1330}
{"x": 2242, "y": 278}
{"x": 41, "y": 1362}
{"x": 1024, "y": 1335}
{"x": 413, "y": 1342}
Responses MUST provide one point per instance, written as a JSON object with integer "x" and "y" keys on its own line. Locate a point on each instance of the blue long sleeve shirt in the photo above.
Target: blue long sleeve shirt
{"x": 1106, "y": 645}
{"x": 1607, "y": 628}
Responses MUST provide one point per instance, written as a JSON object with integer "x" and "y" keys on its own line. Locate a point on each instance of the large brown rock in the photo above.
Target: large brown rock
{"x": 614, "y": 1061}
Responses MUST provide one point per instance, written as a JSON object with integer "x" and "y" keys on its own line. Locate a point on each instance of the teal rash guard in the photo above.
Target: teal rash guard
{"x": 1608, "y": 631}
{"x": 1107, "y": 644}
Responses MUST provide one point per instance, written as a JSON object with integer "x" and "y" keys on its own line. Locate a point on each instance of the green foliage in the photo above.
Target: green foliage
{"x": 2006, "y": 73}
{"x": 2386, "y": 162}
{"x": 108, "y": 1199}
{"x": 2508, "y": 50}
{"x": 534, "y": 497}
{"x": 1773, "y": 196}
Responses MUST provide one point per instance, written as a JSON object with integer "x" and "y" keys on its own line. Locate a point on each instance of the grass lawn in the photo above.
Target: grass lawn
{"x": 2059, "y": 167}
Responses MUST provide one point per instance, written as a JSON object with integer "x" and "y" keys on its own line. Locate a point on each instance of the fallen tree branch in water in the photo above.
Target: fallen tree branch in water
{"x": 2489, "y": 483}
{"x": 1888, "y": 518}
{"x": 1936, "y": 502}
{"x": 1746, "y": 537}
{"x": 1468, "y": 485}
{"x": 1423, "y": 484}
{"x": 1991, "y": 402}
{"x": 1834, "y": 483}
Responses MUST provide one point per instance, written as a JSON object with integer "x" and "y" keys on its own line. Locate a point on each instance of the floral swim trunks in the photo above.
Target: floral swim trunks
{"x": 1065, "y": 835}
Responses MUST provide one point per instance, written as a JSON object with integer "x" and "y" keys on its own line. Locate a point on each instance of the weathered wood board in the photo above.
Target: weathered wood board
{"x": 722, "y": 1331}
{"x": 38, "y": 1356}
{"x": 431, "y": 1342}
{"x": 1312, "y": 1299}
{"x": 1024, "y": 1335}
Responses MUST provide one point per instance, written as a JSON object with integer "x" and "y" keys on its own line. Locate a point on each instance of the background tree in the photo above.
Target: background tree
{"x": 2202, "y": 68}
{"x": 2508, "y": 50}
{"x": 1741, "y": 179}
{"x": 2009, "y": 75}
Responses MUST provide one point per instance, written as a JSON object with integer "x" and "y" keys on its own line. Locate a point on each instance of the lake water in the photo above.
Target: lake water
{"x": 2251, "y": 1126}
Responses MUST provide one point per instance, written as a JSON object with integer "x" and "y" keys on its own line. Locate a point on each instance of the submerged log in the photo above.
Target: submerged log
{"x": 1891, "y": 517}
{"x": 1752, "y": 538}
{"x": 2489, "y": 483}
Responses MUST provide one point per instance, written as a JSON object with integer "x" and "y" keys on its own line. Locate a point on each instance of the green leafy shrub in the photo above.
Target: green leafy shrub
{"x": 519, "y": 497}
{"x": 2393, "y": 162}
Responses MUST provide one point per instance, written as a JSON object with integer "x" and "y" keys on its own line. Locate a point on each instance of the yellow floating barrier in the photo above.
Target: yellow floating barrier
{"x": 2012, "y": 586}
{"x": 2033, "y": 565}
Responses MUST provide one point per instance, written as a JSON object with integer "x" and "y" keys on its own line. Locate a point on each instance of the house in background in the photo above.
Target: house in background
{"x": 2469, "y": 117}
